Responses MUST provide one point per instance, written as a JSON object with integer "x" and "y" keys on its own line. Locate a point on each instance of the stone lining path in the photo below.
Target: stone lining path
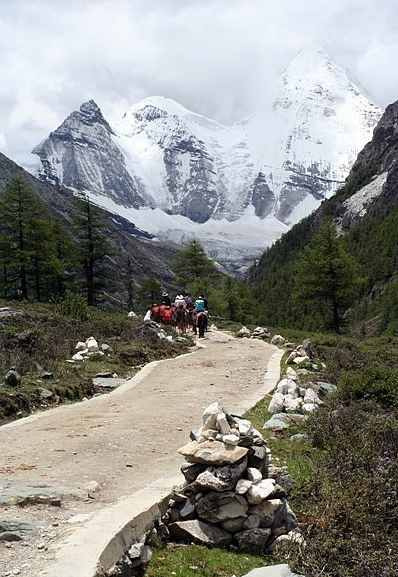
{"x": 91, "y": 454}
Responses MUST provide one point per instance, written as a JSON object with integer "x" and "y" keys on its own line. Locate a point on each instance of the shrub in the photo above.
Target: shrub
{"x": 352, "y": 507}
{"x": 378, "y": 383}
{"x": 74, "y": 306}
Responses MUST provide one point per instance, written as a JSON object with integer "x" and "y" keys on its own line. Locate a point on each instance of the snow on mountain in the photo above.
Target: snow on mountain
{"x": 215, "y": 181}
{"x": 320, "y": 122}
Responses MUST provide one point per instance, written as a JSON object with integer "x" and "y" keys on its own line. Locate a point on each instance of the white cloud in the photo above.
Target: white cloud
{"x": 219, "y": 57}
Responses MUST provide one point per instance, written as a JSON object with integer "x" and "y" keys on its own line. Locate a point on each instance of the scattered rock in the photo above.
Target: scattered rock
{"x": 278, "y": 340}
{"x": 106, "y": 348}
{"x": 244, "y": 332}
{"x": 199, "y": 532}
{"x": 131, "y": 315}
{"x": 92, "y": 345}
{"x": 81, "y": 346}
{"x": 282, "y": 421}
{"x": 272, "y": 571}
{"x": 299, "y": 437}
{"x": 326, "y": 389}
{"x": 107, "y": 383}
{"x": 12, "y": 378}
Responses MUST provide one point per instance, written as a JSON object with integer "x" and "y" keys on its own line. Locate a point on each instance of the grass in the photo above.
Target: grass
{"x": 197, "y": 561}
{"x": 42, "y": 338}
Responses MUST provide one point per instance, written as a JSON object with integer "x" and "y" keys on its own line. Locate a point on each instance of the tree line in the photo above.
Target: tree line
{"x": 40, "y": 258}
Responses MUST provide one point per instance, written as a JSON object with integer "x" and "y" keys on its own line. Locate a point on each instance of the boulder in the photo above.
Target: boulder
{"x": 187, "y": 509}
{"x": 244, "y": 332}
{"x": 326, "y": 389}
{"x": 284, "y": 517}
{"x": 260, "y": 491}
{"x": 92, "y": 345}
{"x": 282, "y": 421}
{"x": 284, "y": 544}
{"x": 272, "y": 571}
{"x": 278, "y": 340}
{"x": 217, "y": 507}
{"x": 106, "y": 348}
{"x": 131, "y": 315}
{"x": 276, "y": 404}
{"x": 79, "y": 356}
{"x": 12, "y": 378}
{"x": 220, "y": 478}
{"x": 199, "y": 532}
{"x": 253, "y": 540}
{"x": 80, "y": 346}
{"x": 267, "y": 511}
{"x": 299, "y": 437}
{"x": 212, "y": 453}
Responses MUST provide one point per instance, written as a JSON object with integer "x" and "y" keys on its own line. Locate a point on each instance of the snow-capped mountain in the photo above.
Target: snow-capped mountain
{"x": 180, "y": 174}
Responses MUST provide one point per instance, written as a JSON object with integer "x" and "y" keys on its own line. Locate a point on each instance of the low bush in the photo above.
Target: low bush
{"x": 352, "y": 507}
{"x": 378, "y": 383}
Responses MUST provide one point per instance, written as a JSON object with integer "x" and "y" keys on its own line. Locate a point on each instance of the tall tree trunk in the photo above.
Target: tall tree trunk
{"x": 21, "y": 246}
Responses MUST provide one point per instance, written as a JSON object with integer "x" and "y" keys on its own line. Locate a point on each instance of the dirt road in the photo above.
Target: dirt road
{"x": 124, "y": 440}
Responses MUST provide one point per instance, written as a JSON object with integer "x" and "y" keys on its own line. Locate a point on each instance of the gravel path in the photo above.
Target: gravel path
{"x": 115, "y": 444}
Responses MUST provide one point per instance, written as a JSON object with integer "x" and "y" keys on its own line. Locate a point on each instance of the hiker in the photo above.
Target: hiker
{"x": 166, "y": 299}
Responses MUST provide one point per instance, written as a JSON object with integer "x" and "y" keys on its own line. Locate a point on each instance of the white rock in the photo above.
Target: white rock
{"x": 106, "y": 348}
{"x": 278, "y": 340}
{"x": 242, "y": 486}
{"x": 293, "y": 355}
{"x": 244, "y": 426}
{"x": 254, "y": 475}
{"x": 222, "y": 424}
{"x": 230, "y": 439}
{"x": 259, "y": 492}
{"x": 309, "y": 407}
{"x": 169, "y": 338}
{"x": 213, "y": 327}
{"x": 131, "y": 315}
{"x": 301, "y": 360}
{"x": 291, "y": 373}
{"x": 292, "y": 404}
{"x": 78, "y": 356}
{"x": 92, "y": 345}
{"x": 210, "y": 414}
{"x": 244, "y": 332}
{"x": 80, "y": 346}
{"x": 276, "y": 404}
{"x": 312, "y": 397}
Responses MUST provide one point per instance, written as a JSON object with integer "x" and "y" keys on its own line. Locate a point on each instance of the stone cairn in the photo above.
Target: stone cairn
{"x": 231, "y": 496}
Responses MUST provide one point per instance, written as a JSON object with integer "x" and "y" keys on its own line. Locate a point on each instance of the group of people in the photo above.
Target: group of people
{"x": 185, "y": 312}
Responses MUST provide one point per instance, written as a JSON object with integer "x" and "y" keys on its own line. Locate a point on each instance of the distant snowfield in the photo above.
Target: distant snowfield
{"x": 238, "y": 242}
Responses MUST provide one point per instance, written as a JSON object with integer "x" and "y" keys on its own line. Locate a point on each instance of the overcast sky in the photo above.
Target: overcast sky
{"x": 217, "y": 57}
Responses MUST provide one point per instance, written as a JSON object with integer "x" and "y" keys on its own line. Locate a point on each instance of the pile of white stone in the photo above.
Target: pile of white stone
{"x": 262, "y": 333}
{"x": 231, "y": 496}
{"x": 89, "y": 348}
{"x": 294, "y": 397}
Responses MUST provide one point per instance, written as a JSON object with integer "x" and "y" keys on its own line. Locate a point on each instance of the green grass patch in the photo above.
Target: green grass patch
{"x": 196, "y": 561}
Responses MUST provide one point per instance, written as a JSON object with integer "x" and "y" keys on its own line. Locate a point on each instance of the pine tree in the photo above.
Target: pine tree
{"x": 192, "y": 264}
{"x": 327, "y": 277}
{"x": 27, "y": 244}
{"x": 150, "y": 290}
{"x": 93, "y": 246}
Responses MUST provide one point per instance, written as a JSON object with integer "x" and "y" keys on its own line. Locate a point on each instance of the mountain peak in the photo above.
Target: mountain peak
{"x": 90, "y": 113}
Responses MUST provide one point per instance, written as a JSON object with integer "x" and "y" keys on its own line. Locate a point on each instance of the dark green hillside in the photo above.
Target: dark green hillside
{"x": 371, "y": 240}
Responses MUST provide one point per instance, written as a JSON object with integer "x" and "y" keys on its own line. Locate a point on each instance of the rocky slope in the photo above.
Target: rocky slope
{"x": 265, "y": 172}
{"x": 150, "y": 258}
{"x": 365, "y": 210}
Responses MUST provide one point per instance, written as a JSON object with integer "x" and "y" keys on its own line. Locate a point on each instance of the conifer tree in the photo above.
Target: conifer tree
{"x": 192, "y": 264}
{"x": 327, "y": 277}
{"x": 93, "y": 246}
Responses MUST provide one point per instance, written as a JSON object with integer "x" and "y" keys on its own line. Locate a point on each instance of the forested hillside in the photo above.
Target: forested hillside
{"x": 365, "y": 217}
{"x": 128, "y": 255}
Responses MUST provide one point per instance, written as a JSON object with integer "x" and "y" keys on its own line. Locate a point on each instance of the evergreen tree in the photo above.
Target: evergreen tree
{"x": 327, "y": 278}
{"x": 129, "y": 281}
{"x": 150, "y": 290}
{"x": 27, "y": 243}
{"x": 93, "y": 246}
{"x": 192, "y": 264}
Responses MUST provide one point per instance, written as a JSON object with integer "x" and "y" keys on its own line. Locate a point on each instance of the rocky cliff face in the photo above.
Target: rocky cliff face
{"x": 81, "y": 154}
